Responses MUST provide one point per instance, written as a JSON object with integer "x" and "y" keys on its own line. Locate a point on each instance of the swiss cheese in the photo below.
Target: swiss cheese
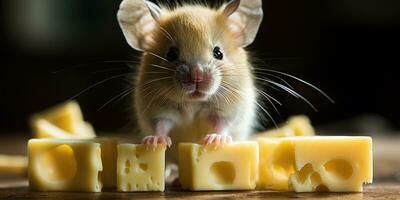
{"x": 64, "y": 165}
{"x": 231, "y": 167}
{"x": 318, "y": 163}
{"x": 140, "y": 169}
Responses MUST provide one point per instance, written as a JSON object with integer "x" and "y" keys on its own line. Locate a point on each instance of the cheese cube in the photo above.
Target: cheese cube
{"x": 231, "y": 167}
{"x": 319, "y": 163}
{"x": 140, "y": 169}
{"x": 64, "y": 165}
{"x": 13, "y": 164}
{"x": 295, "y": 126}
{"x": 337, "y": 164}
{"x": 63, "y": 121}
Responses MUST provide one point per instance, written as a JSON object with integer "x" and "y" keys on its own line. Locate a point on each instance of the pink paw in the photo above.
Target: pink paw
{"x": 217, "y": 139}
{"x": 153, "y": 140}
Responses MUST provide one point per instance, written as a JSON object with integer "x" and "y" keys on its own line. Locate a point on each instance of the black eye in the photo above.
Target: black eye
{"x": 172, "y": 54}
{"x": 218, "y": 53}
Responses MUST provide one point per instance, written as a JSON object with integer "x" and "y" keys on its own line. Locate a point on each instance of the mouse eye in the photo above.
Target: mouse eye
{"x": 172, "y": 54}
{"x": 218, "y": 53}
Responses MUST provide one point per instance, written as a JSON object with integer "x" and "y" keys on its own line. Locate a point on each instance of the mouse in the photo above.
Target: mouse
{"x": 194, "y": 81}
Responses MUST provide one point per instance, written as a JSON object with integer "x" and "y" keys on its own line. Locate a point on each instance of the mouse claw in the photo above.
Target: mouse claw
{"x": 217, "y": 140}
{"x": 153, "y": 140}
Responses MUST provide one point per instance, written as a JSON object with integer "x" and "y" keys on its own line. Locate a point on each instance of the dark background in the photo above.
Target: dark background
{"x": 51, "y": 50}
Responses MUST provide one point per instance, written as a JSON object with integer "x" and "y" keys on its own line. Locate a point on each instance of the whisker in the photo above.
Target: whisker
{"x": 271, "y": 97}
{"x": 162, "y": 67}
{"x": 269, "y": 100}
{"x": 98, "y": 83}
{"x": 269, "y": 115}
{"x": 122, "y": 94}
{"x": 290, "y": 91}
{"x": 302, "y": 81}
{"x": 167, "y": 35}
{"x": 161, "y": 58}
{"x": 259, "y": 105}
{"x": 277, "y": 77}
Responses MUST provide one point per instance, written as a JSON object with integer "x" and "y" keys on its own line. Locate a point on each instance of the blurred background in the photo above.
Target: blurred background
{"x": 52, "y": 50}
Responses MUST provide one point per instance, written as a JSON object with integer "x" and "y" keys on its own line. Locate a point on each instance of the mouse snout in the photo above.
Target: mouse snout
{"x": 195, "y": 78}
{"x": 196, "y": 74}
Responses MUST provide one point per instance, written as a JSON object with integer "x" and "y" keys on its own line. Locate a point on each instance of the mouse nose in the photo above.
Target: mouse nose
{"x": 196, "y": 74}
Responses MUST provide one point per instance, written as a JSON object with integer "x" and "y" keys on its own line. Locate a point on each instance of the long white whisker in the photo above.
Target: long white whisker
{"x": 290, "y": 91}
{"x": 167, "y": 35}
{"x": 159, "y": 57}
{"x": 255, "y": 101}
{"x": 100, "y": 82}
{"x": 269, "y": 100}
{"x": 269, "y": 115}
{"x": 162, "y": 67}
{"x": 122, "y": 94}
{"x": 277, "y": 77}
{"x": 298, "y": 79}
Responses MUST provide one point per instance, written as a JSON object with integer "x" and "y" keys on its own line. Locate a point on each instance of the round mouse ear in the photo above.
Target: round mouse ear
{"x": 138, "y": 21}
{"x": 243, "y": 19}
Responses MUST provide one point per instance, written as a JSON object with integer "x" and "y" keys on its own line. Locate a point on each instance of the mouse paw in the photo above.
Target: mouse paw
{"x": 217, "y": 139}
{"x": 153, "y": 140}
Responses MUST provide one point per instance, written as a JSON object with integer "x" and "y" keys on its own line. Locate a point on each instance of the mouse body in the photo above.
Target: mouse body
{"x": 195, "y": 80}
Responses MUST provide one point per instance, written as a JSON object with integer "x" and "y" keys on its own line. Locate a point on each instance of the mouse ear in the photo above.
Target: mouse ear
{"x": 243, "y": 19}
{"x": 138, "y": 21}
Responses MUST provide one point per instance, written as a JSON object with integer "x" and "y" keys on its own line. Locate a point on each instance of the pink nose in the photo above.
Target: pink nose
{"x": 196, "y": 74}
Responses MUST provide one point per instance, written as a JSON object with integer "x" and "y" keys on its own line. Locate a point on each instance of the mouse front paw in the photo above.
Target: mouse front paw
{"x": 154, "y": 140}
{"x": 217, "y": 139}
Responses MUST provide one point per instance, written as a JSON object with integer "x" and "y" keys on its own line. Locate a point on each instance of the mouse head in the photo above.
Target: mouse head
{"x": 193, "y": 50}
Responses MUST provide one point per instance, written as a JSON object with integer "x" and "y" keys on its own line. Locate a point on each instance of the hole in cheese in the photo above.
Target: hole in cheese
{"x": 315, "y": 178}
{"x": 127, "y": 166}
{"x": 143, "y": 166}
{"x": 339, "y": 168}
{"x": 283, "y": 160}
{"x": 304, "y": 173}
{"x": 58, "y": 164}
{"x": 129, "y": 187}
{"x": 223, "y": 172}
{"x": 321, "y": 188}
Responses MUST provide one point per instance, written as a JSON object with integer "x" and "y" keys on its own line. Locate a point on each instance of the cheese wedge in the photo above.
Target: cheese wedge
{"x": 232, "y": 167}
{"x": 63, "y": 121}
{"x": 140, "y": 169}
{"x": 318, "y": 163}
{"x": 295, "y": 126}
{"x": 64, "y": 165}
{"x": 13, "y": 164}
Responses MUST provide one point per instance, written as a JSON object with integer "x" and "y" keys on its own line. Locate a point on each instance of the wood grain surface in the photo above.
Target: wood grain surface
{"x": 386, "y": 181}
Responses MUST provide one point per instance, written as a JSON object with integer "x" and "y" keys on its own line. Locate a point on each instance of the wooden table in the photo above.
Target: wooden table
{"x": 386, "y": 184}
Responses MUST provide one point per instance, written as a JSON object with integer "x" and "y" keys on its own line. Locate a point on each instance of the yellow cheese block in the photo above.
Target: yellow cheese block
{"x": 13, "y": 164}
{"x": 64, "y": 165}
{"x": 319, "y": 163}
{"x": 337, "y": 164}
{"x": 140, "y": 169}
{"x": 232, "y": 167}
{"x": 295, "y": 126}
{"x": 62, "y": 121}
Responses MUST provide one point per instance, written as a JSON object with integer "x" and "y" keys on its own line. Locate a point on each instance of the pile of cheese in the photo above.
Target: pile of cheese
{"x": 288, "y": 158}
